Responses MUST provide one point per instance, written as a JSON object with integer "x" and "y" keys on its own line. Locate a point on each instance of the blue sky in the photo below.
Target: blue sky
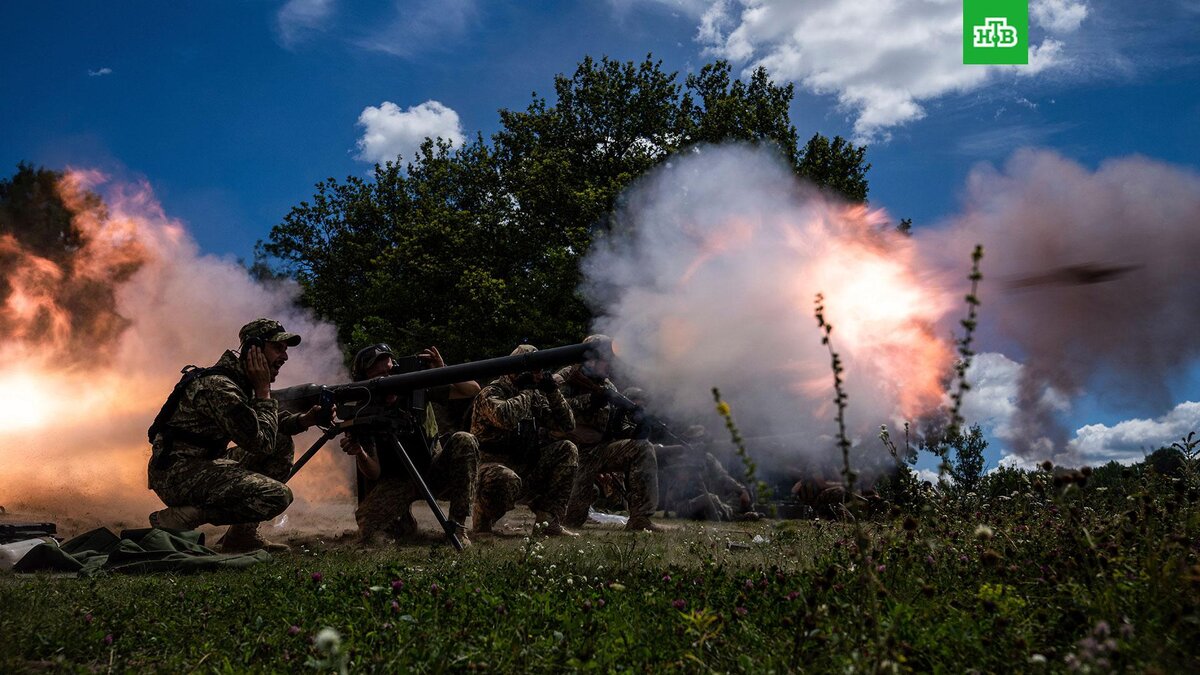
{"x": 233, "y": 110}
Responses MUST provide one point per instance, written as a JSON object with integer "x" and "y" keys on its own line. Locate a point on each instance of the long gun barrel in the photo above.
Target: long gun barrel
{"x": 302, "y": 397}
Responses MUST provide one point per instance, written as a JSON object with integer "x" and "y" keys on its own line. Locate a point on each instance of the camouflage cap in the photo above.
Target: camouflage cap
{"x": 268, "y": 330}
{"x": 367, "y": 356}
{"x": 523, "y": 349}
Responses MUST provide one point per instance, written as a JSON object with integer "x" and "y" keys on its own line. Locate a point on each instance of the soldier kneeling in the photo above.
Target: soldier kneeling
{"x": 192, "y": 469}
{"x": 447, "y": 459}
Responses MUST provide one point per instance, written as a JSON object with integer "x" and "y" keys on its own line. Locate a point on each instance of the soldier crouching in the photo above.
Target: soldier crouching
{"x": 448, "y": 462}
{"x": 519, "y": 462}
{"x": 589, "y": 393}
{"x": 192, "y": 469}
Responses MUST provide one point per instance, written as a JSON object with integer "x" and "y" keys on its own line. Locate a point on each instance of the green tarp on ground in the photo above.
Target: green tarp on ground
{"x": 139, "y": 551}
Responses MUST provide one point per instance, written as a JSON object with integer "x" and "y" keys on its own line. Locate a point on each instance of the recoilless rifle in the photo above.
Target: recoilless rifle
{"x": 393, "y": 405}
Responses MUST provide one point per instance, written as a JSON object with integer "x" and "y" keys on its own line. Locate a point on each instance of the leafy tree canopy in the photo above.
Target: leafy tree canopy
{"x": 477, "y": 248}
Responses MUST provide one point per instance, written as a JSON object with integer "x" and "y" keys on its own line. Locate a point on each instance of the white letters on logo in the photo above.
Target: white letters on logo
{"x": 995, "y": 32}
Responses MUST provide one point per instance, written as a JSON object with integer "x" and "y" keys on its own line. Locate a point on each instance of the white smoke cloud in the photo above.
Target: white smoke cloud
{"x": 1088, "y": 275}
{"x": 298, "y": 19}
{"x": 709, "y": 277}
{"x": 882, "y": 60}
{"x": 80, "y": 454}
{"x": 389, "y": 131}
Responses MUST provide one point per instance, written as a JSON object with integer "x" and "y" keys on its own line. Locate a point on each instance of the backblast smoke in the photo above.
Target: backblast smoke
{"x": 91, "y": 343}
{"x": 708, "y": 278}
{"x": 708, "y": 275}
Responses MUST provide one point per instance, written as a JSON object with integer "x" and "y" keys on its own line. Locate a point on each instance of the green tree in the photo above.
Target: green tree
{"x": 564, "y": 166}
{"x": 419, "y": 255}
{"x": 722, "y": 108}
{"x": 477, "y": 248}
{"x": 837, "y": 166}
{"x": 967, "y": 466}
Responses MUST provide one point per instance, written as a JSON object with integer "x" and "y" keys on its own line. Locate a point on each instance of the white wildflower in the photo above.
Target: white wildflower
{"x": 328, "y": 640}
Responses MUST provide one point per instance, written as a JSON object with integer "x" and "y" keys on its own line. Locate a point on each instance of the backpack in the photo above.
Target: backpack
{"x": 162, "y": 421}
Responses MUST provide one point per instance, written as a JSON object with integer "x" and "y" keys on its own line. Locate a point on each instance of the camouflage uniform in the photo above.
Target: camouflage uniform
{"x": 692, "y": 482}
{"x": 451, "y": 475}
{"x": 447, "y": 463}
{"x": 242, "y": 484}
{"x": 519, "y": 461}
{"x": 696, "y": 486}
{"x": 599, "y": 453}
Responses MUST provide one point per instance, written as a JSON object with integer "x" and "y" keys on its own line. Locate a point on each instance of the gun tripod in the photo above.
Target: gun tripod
{"x": 385, "y": 430}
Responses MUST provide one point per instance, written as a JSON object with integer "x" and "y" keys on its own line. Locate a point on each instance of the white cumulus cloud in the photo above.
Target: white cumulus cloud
{"x": 992, "y": 403}
{"x": 100, "y": 73}
{"x": 881, "y": 60}
{"x": 389, "y": 131}
{"x": 299, "y": 18}
{"x": 931, "y": 476}
{"x": 1131, "y": 440}
{"x": 1060, "y": 16}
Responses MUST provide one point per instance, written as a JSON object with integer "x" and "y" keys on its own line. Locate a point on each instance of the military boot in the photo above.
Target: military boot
{"x": 461, "y": 533}
{"x": 404, "y": 527}
{"x": 481, "y": 519}
{"x": 644, "y": 524}
{"x": 178, "y": 518}
{"x": 553, "y": 526}
{"x": 244, "y": 537}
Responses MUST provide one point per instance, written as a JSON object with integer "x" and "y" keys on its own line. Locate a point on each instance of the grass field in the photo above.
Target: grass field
{"x": 1042, "y": 579}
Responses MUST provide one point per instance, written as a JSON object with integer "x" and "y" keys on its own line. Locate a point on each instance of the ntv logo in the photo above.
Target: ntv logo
{"x": 995, "y": 32}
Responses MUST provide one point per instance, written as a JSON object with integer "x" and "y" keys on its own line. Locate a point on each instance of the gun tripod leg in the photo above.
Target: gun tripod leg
{"x": 316, "y": 447}
{"x": 449, "y": 526}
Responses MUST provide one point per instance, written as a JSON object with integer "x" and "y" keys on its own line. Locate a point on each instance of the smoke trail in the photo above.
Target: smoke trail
{"x": 83, "y": 380}
{"x": 1089, "y": 275}
{"x": 708, "y": 279}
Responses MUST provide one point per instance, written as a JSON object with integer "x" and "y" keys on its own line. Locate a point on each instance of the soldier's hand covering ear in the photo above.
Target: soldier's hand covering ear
{"x": 259, "y": 371}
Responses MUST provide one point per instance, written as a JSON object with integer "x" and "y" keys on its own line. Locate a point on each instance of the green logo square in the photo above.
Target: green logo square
{"x": 996, "y": 32}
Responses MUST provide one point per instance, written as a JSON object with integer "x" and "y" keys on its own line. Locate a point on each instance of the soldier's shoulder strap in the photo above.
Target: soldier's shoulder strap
{"x": 190, "y": 374}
